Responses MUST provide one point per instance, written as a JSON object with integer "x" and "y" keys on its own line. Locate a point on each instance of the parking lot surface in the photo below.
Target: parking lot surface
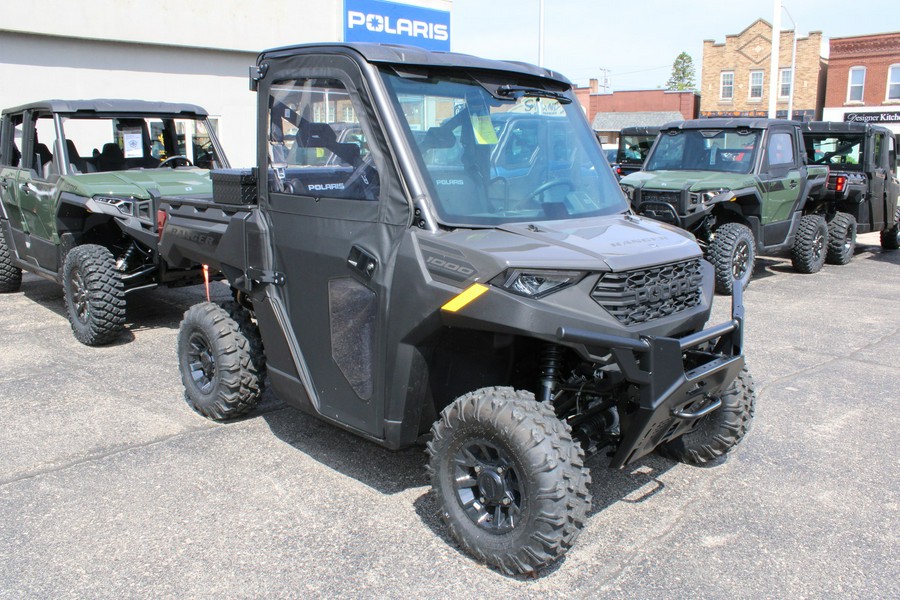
{"x": 110, "y": 486}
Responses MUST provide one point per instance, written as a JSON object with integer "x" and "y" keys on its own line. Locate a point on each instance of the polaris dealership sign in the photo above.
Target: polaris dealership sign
{"x": 394, "y": 23}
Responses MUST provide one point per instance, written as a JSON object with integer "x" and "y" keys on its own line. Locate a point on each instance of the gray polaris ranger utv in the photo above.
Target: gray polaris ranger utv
{"x": 433, "y": 247}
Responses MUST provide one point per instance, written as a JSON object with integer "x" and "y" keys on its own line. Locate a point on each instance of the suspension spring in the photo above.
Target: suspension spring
{"x": 550, "y": 363}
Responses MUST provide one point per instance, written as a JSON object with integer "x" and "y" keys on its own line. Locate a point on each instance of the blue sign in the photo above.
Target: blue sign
{"x": 394, "y": 23}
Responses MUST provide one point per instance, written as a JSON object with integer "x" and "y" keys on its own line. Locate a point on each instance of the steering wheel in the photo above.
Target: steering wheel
{"x": 550, "y": 185}
{"x": 173, "y": 162}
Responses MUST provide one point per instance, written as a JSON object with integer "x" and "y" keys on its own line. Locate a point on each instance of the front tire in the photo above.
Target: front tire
{"x": 841, "y": 239}
{"x": 890, "y": 238}
{"x": 94, "y": 295}
{"x": 509, "y": 479}
{"x": 732, "y": 253}
{"x": 719, "y": 432}
{"x": 220, "y": 378}
{"x": 810, "y": 244}
{"x": 10, "y": 275}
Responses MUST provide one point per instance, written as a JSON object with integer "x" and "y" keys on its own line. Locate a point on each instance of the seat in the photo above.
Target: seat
{"x": 111, "y": 158}
{"x": 321, "y": 135}
{"x": 43, "y": 158}
{"x": 80, "y": 164}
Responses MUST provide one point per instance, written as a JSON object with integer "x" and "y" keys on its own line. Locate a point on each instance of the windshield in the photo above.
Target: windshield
{"x": 119, "y": 143}
{"x": 844, "y": 150}
{"x": 522, "y": 154}
{"x": 633, "y": 149}
{"x": 725, "y": 150}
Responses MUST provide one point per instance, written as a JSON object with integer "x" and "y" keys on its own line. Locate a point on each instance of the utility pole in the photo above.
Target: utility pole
{"x": 541, "y": 33}
{"x": 773, "y": 65}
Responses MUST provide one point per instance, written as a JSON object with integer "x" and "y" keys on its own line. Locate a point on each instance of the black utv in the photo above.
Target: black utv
{"x": 464, "y": 271}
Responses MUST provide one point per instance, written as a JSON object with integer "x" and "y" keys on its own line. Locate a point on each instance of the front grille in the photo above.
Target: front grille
{"x": 660, "y": 196}
{"x": 644, "y": 295}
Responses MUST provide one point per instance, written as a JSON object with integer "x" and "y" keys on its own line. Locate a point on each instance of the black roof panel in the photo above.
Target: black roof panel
{"x": 413, "y": 56}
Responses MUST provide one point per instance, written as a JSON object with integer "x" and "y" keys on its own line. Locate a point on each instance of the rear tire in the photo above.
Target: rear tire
{"x": 719, "y": 432}
{"x": 94, "y": 295}
{"x": 732, "y": 253}
{"x": 810, "y": 244}
{"x": 841, "y": 239}
{"x": 220, "y": 379}
{"x": 509, "y": 479}
{"x": 890, "y": 237}
{"x": 10, "y": 275}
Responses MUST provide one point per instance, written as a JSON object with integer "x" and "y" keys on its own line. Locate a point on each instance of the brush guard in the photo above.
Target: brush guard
{"x": 674, "y": 376}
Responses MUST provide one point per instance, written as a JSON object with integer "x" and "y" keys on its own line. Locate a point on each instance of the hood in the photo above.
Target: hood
{"x": 137, "y": 182}
{"x": 617, "y": 243}
{"x": 693, "y": 181}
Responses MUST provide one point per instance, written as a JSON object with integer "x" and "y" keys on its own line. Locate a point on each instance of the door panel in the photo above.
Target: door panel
{"x": 784, "y": 177}
{"x": 331, "y": 236}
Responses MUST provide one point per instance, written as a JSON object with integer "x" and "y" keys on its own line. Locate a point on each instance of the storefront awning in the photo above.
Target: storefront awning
{"x": 615, "y": 121}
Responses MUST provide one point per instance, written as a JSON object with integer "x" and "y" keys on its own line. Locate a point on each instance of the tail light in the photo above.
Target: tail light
{"x": 161, "y": 217}
{"x": 840, "y": 182}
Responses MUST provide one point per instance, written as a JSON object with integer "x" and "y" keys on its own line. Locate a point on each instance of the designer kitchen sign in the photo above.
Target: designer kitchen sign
{"x": 873, "y": 117}
{"x": 396, "y": 23}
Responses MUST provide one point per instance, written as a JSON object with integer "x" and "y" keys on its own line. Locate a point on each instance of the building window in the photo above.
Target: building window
{"x": 893, "y": 86}
{"x": 784, "y": 90}
{"x": 855, "y": 84}
{"x": 756, "y": 85}
{"x": 726, "y": 89}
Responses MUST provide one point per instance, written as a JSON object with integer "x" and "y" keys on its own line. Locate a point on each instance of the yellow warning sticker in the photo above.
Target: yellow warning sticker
{"x": 466, "y": 296}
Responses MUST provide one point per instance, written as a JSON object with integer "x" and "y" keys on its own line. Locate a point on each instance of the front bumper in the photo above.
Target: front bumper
{"x": 673, "y": 375}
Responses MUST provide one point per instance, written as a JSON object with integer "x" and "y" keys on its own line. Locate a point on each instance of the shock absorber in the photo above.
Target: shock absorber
{"x": 550, "y": 363}
{"x": 122, "y": 263}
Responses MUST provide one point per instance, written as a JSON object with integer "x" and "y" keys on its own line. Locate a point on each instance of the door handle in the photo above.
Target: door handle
{"x": 26, "y": 187}
{"x": 362, "y": 262}
{"x": 793, "y": 184}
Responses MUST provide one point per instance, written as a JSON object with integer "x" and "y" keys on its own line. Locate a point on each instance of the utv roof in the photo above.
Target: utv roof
{"x": 102, "y": 106}
{"x": 641, "y": 130}
{"x": 748, "y": 122}
{"x": 412, "y": 56}
{"x": 836, "y": 127}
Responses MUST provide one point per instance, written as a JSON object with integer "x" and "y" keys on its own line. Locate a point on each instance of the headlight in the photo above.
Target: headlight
{"x": 710, "y": 194}
{"x": 536, "y": 283}
{"x": 629, "y": 191}
{"x": 124, "y": 205}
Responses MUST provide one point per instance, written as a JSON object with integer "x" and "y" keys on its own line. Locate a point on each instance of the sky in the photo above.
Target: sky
{"x": 638, "y": 41}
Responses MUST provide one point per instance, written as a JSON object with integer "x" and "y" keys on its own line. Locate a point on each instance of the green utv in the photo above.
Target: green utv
{"x": 80, "y": 183}
{"x": 463, "y": 269}
{"x": 743, "y": 187}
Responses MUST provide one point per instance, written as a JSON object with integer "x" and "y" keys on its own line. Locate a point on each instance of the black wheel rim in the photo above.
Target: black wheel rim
{"x": 849, "y": 238}
{"x": 740, "y": 262}
{"x": 488, "y": 486}
{"x": 201, "y": 362}
{"x": 80, "y": 297}
{"x": 818, "y": 245}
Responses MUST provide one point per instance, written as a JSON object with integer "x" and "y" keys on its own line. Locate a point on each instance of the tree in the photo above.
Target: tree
{"x": 682, "y": 77}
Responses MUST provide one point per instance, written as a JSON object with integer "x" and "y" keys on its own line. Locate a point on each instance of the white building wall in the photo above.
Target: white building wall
{"x": 188, "y": 51}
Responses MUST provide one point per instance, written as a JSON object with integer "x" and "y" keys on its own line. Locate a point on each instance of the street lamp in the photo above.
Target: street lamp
{"x": 541, "y": 33}
{"x": 790, "y": 112}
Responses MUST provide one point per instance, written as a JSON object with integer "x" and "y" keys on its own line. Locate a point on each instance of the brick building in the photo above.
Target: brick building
{"x": 735, "y": 76}
{"x": 609, "y": 113}
{"x": 864, "y": 80}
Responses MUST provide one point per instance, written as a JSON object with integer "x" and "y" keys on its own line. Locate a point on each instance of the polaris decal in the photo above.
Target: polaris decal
{"x": 396, "y": 23}
{"x": 322, "y": 187}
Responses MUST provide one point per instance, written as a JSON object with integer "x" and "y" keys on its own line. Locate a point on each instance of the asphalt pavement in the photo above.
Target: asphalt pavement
{"x": 111, "y": 487}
